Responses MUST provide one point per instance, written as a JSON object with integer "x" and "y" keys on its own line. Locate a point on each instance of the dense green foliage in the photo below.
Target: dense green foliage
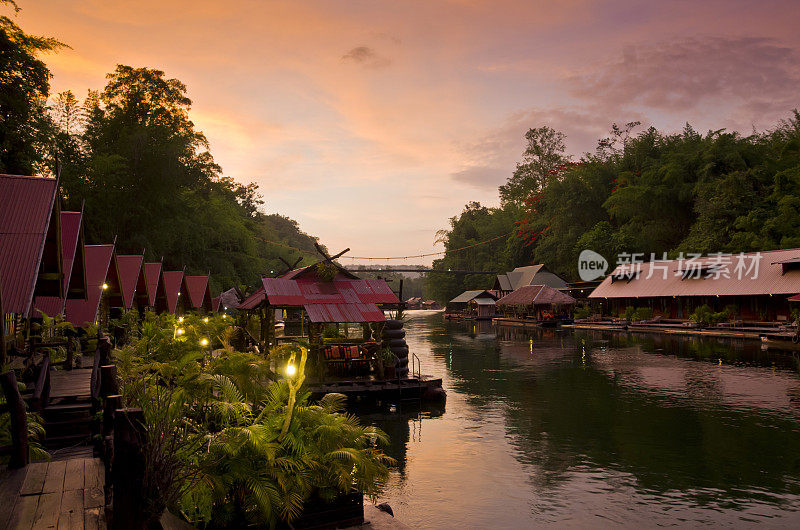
{"x": 647, "y": 193}
{"x": 230, "y": 443}
{"x": 132, "y": 158}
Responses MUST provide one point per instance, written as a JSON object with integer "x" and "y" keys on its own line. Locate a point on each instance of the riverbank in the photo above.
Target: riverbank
{"x": 716, "y": 333}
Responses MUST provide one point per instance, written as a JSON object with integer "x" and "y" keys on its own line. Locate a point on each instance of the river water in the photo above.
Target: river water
{"x": 563, "y": 428}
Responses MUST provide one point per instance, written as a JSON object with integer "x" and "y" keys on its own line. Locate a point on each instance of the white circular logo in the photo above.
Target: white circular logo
{"x": 591, "y": 265}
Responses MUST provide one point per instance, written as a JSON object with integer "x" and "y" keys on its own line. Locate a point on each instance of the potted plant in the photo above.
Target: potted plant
{"x": 385, "y": 363}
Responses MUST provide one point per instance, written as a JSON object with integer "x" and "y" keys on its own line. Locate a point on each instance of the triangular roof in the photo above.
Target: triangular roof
{"x": 129, "y": 268}
{"x": 72, "y": 260}
{"x": 172, "y": 281}
{"x": 528, "y": 275}
{"x": 98, "y": 271}
{"x": 199, "y": 292}
{"x": 536, "y": 295}
{"x": 27, "y": 207}
{"x": 152, "y": 277}
{"x": 466, "y": 296}
{"x": 215, "y": 304}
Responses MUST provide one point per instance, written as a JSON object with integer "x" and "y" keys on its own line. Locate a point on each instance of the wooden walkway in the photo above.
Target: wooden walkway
{"x": 73, "y": 384}
{"x": 65, "y": 494}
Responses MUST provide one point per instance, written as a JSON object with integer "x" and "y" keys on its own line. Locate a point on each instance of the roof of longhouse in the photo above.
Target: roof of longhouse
{"x": 773, "y": 272}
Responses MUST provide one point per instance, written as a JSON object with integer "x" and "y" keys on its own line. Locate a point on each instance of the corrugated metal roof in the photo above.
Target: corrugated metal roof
{"x": 344, "y": 312}
{"x": 503, "y": 283}
{"x": 281, "y": 291}
{"x": 172, "y": 286}
{"x": 98, "y": 261}
{"x": 484, "y": 301}
{"x": 252, "y": 301}
{"x": 70, "y": 232}
{"x": 129, "y": 267}
{"x": 152, "y": 275}
{"x": 536, "y": 295}
{"x": 199, "y": 296}
{"x": 26, "y": 204}
{"x": 769, "y": 279}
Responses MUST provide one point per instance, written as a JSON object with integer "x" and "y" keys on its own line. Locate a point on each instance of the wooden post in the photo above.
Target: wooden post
{"x": 70, "y": 354}
{"x": 109, "y": 384}
{"x": 111, "y": 404}
{"x": 127, "y": 475}
{"x": 19, "y": 420}
{"x": 104, "y": 347}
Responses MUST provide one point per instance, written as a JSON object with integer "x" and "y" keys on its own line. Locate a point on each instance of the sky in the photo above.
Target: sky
{"x": 373, "y": 122}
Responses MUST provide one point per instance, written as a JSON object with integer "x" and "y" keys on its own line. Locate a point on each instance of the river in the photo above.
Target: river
{"x": 563, "y": 428}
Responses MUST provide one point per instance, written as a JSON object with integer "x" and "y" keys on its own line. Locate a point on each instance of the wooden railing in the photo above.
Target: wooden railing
{"x": 15, "y": 405}
{"x": 41, "y": 392}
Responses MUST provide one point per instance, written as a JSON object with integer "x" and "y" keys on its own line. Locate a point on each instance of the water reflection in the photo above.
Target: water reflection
{"x": 556, "y": 427}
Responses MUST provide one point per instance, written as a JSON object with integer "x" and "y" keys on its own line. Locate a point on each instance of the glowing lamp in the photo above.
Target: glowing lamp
{"x": 180, "y": 319}
{"x": 203, "y": 342}
{"x": 205, "y": 319}
{"x": 291, "y": 370}
{"x": 105, "y": 286}
{"x": 179, "y": 331}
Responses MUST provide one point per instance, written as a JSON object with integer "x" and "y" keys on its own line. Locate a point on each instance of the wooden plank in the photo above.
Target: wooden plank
{"x": 70, "y": 521}
{"x": 73, "y": 479}
{"x": 94, "y": 480}
{"x": 47, "y": 511}
{"x": 34, "y": 479}
{"x": 24, "y": 513}
{"x": 72, "y": 502}
{"x": 94, "y": 519}
{"x": 94, "y": 473}
{"x": 54, "y": 479}
{"x": 10, "y": 483}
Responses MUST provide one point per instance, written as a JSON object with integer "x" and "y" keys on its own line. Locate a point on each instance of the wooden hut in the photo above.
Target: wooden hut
{"x": 539, "y": 302}
{"x": 129, "y": 271}
{"x": 171, "y": 293}
{"x": 198, "y": 293}
{"x": 30, "y": 250}
{"x": 73, "y": 265}
{"x": 151, "y": 273}
{"x": 101, "y": 276}
{"x": 473, "y": 304}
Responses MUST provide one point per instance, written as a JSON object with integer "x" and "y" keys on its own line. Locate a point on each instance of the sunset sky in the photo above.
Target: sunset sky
{"x": 371, "y": 123}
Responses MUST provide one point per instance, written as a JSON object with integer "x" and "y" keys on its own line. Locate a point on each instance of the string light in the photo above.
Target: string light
{"x": 204, "y": 342}
{"x": 205, "y": 319}
{"x": 105, "y": 286}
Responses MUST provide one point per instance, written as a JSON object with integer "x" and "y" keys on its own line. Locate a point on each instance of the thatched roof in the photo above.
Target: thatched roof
{"x": 536, "y": 295}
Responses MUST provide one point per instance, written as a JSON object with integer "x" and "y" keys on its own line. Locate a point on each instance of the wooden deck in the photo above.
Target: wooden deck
{"x": 71, "y": 384}
{"x": 408, "y": 388}
{"x": 59, "y": 494}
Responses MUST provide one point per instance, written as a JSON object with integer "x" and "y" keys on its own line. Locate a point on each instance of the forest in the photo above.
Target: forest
{"x": 130, "y": 156}
{"x": 640, "y": 191}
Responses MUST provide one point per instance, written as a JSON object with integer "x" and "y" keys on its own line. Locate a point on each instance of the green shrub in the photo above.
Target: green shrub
{"x": 583, "y": 312}
{"x": 702, "y": 315}
{"x": 642, "y": 313}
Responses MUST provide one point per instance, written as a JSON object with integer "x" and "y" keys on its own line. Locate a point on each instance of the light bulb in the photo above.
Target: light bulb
{"x": 105, "y": 286}
{"x": 203, "y": 342}
{"x": 290, "y": 370}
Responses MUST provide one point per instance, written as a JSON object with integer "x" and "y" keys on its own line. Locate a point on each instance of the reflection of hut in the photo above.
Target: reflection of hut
{"x": 536, "y": 301}
{"x": 473, "y": 304}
